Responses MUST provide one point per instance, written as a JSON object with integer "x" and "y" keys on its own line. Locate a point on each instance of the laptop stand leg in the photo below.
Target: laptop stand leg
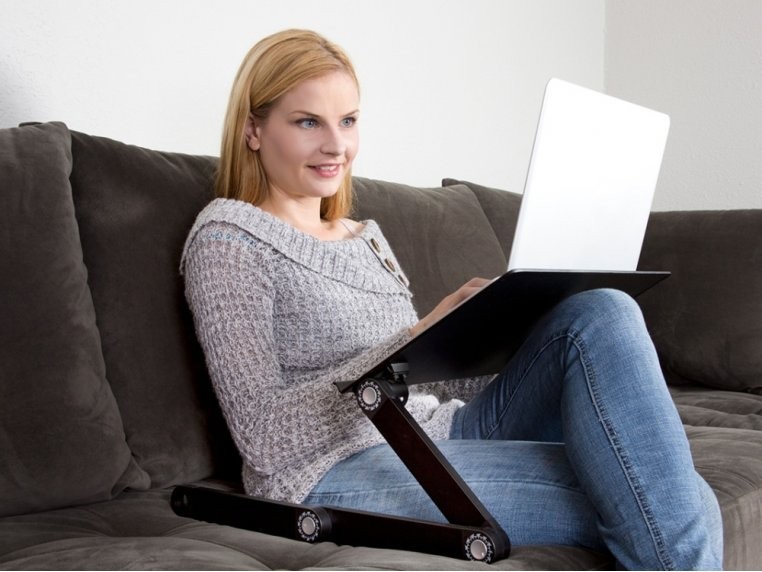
{"x": 382, "y": 400}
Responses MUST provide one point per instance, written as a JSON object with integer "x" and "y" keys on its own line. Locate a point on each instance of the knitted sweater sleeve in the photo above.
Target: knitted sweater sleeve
{"x": 230, "y": 291}
{"x": 463, "y": 389}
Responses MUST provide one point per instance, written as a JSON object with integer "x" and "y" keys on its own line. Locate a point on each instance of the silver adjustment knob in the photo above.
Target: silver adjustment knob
{"x": 369, "y": 395}
{"x": 479, "y": 547}
{"x": 308, "y": 525}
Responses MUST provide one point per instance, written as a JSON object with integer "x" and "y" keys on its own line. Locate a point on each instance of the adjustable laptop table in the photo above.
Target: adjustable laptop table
{"x": 477, "y": 338}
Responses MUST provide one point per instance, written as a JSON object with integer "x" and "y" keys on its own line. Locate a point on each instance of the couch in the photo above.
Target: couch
{"x": 106, "y": 405}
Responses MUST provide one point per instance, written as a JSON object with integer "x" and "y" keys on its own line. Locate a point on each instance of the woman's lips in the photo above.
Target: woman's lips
{"x": 326, "y": 171}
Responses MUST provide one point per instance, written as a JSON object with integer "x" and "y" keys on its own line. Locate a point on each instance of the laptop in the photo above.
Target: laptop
{"x": 590, "y": 183}
{"x": 581, "y": 224}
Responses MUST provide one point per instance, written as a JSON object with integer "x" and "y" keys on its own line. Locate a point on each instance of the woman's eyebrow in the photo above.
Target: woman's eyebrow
{"x": 318, "y": 116}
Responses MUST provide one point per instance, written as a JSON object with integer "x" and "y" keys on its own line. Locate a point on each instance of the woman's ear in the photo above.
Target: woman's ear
{"x": 252, "y": 133}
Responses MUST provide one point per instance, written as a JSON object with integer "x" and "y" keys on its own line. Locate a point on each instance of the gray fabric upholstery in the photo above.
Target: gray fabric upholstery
{"x": 134, "y": 208}
{"x": 61, "y": 436}
{"x": 500, "y": 207}
{"x": 103, "y": 385}
{"x": 706, "y": 320}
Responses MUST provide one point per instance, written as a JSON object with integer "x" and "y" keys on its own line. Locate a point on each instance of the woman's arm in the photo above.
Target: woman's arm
{"x": 230, "y": 290}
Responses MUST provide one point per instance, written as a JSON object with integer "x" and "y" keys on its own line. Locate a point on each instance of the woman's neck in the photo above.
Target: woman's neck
{"x": 305, "y": 217}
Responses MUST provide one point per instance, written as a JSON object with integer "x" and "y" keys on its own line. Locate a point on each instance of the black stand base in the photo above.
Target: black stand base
{"x": 341, "y": 526}
{"x": 472, "y": 533}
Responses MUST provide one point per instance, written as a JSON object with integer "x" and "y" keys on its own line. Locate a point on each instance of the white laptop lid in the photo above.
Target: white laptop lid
{"x": 590, "y": 184}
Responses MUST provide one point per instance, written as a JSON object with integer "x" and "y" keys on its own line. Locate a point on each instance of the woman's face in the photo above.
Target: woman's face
{"x": 309, "y": 140}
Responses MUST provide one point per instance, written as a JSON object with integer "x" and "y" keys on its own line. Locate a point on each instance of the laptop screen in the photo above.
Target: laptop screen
{"x": 590, "y": 183}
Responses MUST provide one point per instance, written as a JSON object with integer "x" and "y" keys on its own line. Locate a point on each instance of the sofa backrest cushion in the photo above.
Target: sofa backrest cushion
{"x": 61, "y": 436}
{"x": 706, "y": 319}
{"x": 440, "y": 236}
{"x": 501, "y": 208}
{"x": 135, "y": 207}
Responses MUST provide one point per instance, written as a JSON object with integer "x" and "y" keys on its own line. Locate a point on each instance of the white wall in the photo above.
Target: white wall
{"x": 700, "y": 61}
{"x": 450, "y": 88}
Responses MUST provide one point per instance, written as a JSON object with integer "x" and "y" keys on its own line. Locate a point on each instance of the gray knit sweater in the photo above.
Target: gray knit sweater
{"x": 282, "y": 315}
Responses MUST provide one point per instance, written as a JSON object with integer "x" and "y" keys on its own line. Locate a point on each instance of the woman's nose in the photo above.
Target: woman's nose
{"x": 334, "y": 143}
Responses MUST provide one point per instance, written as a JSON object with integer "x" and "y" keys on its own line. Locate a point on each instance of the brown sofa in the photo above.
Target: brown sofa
{"x": 105, "y": 403}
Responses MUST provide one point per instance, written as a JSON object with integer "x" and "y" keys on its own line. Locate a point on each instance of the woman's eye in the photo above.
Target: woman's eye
{"x": 348, "y": 121}
{"x": 307, "y": 123}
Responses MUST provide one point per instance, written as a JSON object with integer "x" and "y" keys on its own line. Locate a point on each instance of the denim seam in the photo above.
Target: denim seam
{"x": 611, "y": 434}
{"x": 620, "y": 453}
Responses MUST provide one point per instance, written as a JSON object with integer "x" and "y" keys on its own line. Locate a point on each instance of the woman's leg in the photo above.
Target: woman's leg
{"x": 528, "y": 487}
{"x": 589, "y": 377}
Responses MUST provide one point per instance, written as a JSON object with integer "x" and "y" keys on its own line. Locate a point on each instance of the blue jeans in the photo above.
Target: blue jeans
{"x": 576, "y": 442}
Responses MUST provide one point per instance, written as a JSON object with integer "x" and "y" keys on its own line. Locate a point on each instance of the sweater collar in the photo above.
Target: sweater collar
{"x": 345, "y": 260}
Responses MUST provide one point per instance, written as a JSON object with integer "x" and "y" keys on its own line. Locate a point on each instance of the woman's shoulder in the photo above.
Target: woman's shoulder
{"x": 232, "y": 212}
{"x": 224, "y": 226}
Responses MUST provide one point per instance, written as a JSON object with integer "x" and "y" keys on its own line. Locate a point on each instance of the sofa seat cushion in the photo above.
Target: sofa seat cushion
{"x": 139, "y": 531}
{"x": 703, "y": 407}
{"x": 725, "y": 432}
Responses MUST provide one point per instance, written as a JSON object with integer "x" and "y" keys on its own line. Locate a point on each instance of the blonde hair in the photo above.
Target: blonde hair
{"x": 275, "y": 65}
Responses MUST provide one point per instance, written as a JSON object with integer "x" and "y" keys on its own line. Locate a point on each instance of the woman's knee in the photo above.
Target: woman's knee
{"x": 609, "y": 299}
{"x": 606, "y": 322}
{"x": 605, "y": 305}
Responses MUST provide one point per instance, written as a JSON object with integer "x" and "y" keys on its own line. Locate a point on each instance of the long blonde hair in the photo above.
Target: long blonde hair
{"x": 275, "y": 65}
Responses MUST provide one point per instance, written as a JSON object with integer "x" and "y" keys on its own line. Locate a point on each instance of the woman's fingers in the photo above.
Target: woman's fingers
{"x": 449, "y": 302}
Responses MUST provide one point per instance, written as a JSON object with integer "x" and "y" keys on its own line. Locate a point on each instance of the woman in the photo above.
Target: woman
{"x": 575, "y": 442}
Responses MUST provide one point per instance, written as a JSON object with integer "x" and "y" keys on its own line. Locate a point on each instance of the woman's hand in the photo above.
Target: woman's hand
{"x": 449, "y": 302}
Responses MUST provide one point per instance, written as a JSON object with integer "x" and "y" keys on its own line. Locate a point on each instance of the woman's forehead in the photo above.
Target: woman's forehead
{"x": 334, "y": 92}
